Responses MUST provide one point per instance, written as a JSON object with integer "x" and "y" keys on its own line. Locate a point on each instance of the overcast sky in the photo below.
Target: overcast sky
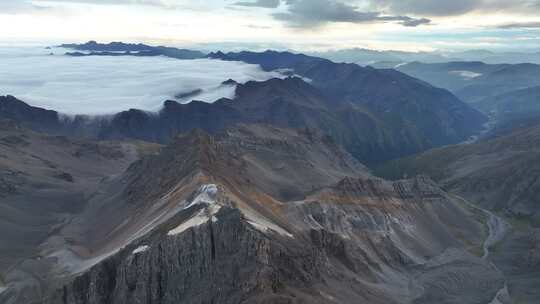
{"x": 296, "y": 24}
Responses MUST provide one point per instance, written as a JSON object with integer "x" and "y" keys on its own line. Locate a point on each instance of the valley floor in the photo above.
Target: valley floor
{"x": 512, "y": 246}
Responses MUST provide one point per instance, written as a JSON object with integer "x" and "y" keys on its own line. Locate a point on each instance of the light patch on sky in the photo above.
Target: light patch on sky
{"x": 327, "y": 24}
{"x": 106, "y": 84}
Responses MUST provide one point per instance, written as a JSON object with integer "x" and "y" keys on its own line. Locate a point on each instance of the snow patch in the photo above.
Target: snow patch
{"x": 2, "y": 289}
{"x": 466, "y": 74}
{"x": 206, "y": 194}
{"x": 195, "y": 221}
{"x": 262, "y": 224}
{"x": 400, "y": 65}
{"x": 267, "y": 226}
{"x": 141, "y": 249}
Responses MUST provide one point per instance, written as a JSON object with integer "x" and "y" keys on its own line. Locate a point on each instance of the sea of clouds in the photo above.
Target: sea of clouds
{"x": 106, "y": 84}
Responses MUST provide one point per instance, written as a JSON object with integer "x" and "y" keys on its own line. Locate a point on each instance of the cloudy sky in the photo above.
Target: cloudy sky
{"x": 295, "y": 24}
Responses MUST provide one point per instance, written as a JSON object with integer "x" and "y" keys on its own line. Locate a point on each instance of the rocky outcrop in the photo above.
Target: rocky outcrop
{"x": 221, "y": 261}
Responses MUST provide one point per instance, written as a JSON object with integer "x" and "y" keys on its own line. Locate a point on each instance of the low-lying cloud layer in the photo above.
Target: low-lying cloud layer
{"x": 105, "y": 85}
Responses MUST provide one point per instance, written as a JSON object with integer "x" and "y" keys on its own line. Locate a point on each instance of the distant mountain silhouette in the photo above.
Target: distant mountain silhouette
{"x": 475, "y": 81}
{"x": 129, "y": 49}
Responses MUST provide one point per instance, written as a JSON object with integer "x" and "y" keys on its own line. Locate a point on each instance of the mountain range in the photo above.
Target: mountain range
{"x": 360, "y": 56}
{"x": 93, "y": 48}
{"x": 407, "y": 117}
{"x": 338, "y": 184}
{"x": 389, "y": 57}
{"x": 472, "y": 81}
{"x": 504, "y": 92}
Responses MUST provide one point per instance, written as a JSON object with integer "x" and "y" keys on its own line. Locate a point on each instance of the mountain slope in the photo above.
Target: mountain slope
{"x": 399, "y": 99}
{"x": 44, "y": 182}
{"x": 474, "y": 81}
{"x": 34, "y": 118}
{"x": 259, "y": 214}
{"x": 369, "y": 133}
{"x": 514, "y": 105}
{"x": 499, "y": 172}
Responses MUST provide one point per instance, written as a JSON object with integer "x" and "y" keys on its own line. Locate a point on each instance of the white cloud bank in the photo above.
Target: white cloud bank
{"x": 106, "y": 84}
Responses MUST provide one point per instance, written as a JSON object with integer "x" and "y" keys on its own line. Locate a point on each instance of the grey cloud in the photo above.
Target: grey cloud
{"x": 312, "y": 13}
{"x": 431, "y": 8}
{"x": 413, "y": 22}
{"x": 260, "y": 3}
{"x": 453, "y": 7}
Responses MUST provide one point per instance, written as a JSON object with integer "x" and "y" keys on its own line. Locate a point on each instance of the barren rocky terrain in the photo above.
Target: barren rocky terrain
{"x": 260, "y": 214}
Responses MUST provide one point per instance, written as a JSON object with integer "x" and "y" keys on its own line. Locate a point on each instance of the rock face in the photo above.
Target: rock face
{"x": 259, "y": 214}
{"x": 221, "y": 261}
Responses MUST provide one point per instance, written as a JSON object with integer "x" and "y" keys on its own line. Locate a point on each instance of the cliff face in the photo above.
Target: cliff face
{"x": 224, "y": 260}
{"x": 266, "y": 215}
